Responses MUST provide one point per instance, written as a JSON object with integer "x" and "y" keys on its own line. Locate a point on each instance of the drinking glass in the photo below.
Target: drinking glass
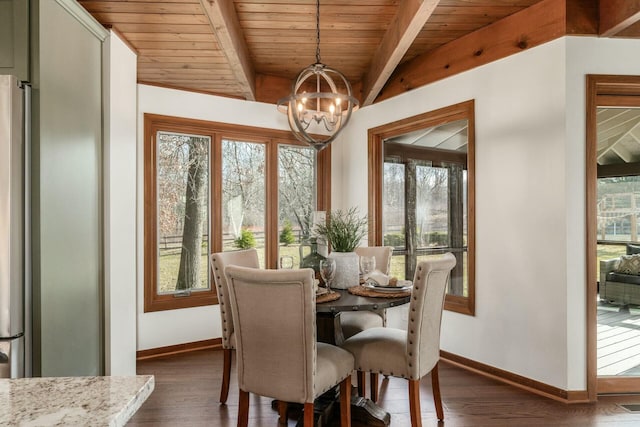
{"x": 286, "y": 261}
{"x": 367, "y": 265}
{"x": 327, "y": 271}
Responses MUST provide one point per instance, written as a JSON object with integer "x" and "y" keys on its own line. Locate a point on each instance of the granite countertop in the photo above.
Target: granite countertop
{"x": 77, "y": 401}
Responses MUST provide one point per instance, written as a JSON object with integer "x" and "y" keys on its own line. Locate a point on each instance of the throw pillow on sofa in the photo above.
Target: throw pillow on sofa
{"x": 629, "y": 264}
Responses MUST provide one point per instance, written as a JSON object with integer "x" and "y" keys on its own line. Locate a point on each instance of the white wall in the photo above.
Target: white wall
{"x": 520, "y": 207}
{"x": 164, "y": 328}
{"x": 120, "y": 112}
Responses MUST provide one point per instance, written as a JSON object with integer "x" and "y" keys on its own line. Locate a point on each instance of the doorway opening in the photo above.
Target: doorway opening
{"x": 613, "y": 208}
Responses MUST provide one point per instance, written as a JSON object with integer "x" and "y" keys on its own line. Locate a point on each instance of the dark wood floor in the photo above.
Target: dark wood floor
{"x": 188, "y": 387}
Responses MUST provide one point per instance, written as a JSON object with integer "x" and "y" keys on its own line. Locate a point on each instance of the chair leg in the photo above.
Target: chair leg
{"x": 243, "y": 409}
{"x": 282, "y": 411}
{"x": 414, "y": 403}
{"x": 308, "y": 414}
{"x": 437, "y": 398}
{"x": 374, "y": 386}
{"x": 226, "y": 375}
{"x": 361, "y": 383}
{"x": 345, "y": 402}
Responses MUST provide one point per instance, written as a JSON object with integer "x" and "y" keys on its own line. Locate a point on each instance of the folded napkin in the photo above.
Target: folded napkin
{"x": 321, "y": 291}
{"x": 378, "y": 278}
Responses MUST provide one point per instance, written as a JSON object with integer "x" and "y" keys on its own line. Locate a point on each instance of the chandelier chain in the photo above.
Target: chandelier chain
{"x": 318, "y": 32}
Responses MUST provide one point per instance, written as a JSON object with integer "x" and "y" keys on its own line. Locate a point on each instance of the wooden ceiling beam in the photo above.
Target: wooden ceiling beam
{"x": 617, "y": 15}
{"x": 270, "y": 89}
{"x": 405, "y": 27}
{"x": 226, "y": 27}
{"x": 537, "y": 24}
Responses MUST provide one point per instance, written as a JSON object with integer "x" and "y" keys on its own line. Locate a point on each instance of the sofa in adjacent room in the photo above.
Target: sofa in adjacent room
{"x": 620, "y": 278}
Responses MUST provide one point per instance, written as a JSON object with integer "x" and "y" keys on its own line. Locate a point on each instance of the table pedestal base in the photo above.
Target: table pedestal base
{"x": 365, "y": 412}
{"x": 326, "y": 411}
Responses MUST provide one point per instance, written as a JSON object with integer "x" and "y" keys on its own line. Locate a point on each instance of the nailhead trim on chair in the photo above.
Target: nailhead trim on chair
{"x": 225, "y": 341}
{"x": 329, "y": 388}
{"x": 412, "y": 319}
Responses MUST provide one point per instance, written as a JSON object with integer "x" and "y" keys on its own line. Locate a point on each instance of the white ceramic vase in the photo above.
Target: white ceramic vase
{"x": 347, "y": 270}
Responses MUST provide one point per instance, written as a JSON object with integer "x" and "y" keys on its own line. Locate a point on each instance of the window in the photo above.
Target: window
{"x": 296, "y": 197}
{"x": 243, "y": 196}
{"x": 183, "y": 212}
{"x": 422, "y": 187}
{"x": 211, "y": 187}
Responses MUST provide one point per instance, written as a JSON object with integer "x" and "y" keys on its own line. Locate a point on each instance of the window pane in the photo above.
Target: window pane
{"x": 618, "y": 208}
{"x": 398, "y": 266}
{"x": 243, "y": 196}
{"x": 296, "y": 202}
{"x": 432, "y": 207}
{"x": 393, "y": 205}
{"x": 183, "y": 212}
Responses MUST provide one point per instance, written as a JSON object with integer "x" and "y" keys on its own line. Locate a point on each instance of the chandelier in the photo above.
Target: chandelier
{"x": 321, "y": 101}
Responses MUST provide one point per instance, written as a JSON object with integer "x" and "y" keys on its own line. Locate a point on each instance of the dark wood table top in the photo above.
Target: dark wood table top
{"x": 350, "y": 302}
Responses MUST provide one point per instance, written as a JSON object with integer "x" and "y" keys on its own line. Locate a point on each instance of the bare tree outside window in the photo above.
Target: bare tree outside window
{"x": 393, "y": 204}
{"x": 432, "y": 206}
{"x": 183, "y": 176}
{"x": 243, "y": 191}
{"x": 296, "y": 200}
{"x": 296, "y": 166}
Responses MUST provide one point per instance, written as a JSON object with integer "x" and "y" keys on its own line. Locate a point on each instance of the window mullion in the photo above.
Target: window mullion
{"x": 410, "y": 217}
{"x": 456, "y": 225}
{"x": 216, "y": 190}
{"x": 271, "y": 208}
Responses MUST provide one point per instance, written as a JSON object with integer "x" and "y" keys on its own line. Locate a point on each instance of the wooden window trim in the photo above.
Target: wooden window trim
{"x": 217, "y": 131}
{"x": 376, "y": 136}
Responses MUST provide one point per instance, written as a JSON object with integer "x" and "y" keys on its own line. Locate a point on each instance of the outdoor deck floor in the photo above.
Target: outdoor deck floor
{"x": 618, "y": 340}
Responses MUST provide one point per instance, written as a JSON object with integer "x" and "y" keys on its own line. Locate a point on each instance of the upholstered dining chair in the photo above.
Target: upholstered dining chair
{"x": 274, "y": 313}
{"x": 353, "y": 322}
{"x": 219, "y": 261}
{"x": 413, "y": 353}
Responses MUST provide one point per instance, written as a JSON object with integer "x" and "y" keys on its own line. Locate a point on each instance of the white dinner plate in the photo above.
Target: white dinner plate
{"x": 404, "y": 285}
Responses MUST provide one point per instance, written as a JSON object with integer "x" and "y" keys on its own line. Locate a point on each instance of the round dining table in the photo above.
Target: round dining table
{"x": 328, "y": 313}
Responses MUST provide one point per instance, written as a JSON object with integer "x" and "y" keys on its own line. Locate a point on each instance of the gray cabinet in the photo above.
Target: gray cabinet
{"x": 67, "y": 190}
{"x": 14, "y": 38}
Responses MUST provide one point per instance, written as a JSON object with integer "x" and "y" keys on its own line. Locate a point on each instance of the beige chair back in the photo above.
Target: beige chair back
{"x": 274, "y": 316}
{"x": 382, "y": 255}
{"x": 425, "y": 314}
{"x": 219, "y": 261}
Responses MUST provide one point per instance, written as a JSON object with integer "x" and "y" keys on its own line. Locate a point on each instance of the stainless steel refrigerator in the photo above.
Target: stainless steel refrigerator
{"x": 14, "y": 179}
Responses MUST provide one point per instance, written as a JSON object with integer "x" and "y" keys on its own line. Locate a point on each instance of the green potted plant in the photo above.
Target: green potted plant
{"x": 343, "y": 231}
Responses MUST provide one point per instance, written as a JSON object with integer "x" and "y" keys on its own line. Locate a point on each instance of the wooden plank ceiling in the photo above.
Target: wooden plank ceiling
{"x": 244, "y": 48}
